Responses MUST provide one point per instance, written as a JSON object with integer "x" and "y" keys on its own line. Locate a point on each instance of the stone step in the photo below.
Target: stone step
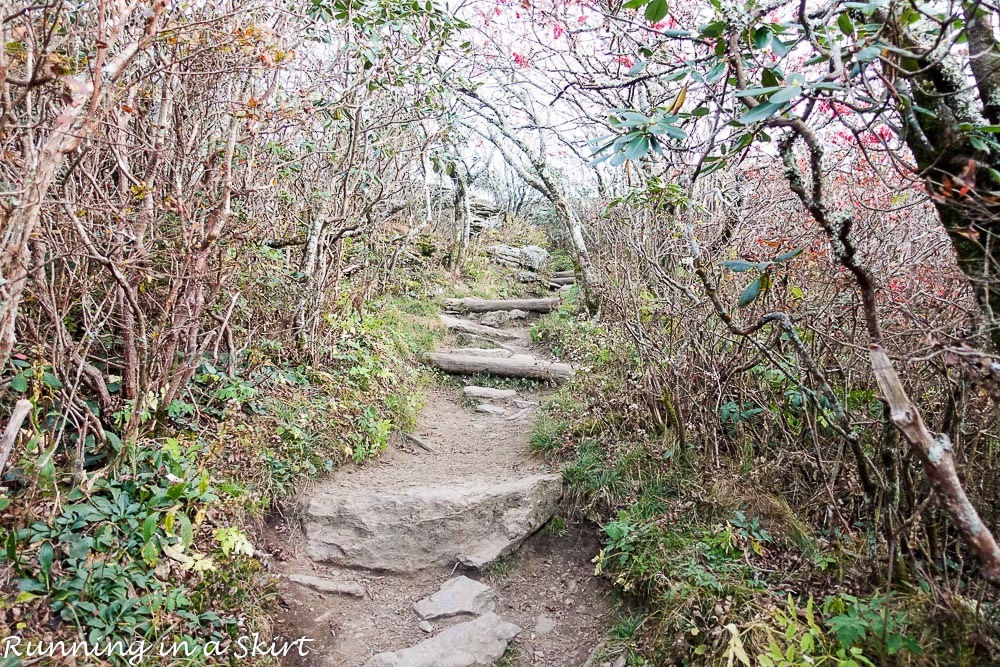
{"x": 476, "y": 643}
{"x": 405, "y": 530}
{"x": 456, "y": 597}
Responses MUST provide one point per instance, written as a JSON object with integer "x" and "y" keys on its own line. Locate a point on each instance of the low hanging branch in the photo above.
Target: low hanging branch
{"x": 935, "y": 454}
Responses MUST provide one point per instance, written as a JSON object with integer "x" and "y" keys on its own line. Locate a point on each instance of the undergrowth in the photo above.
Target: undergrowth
{"x": 712, "y": 566}
{"x": 157, "y": 544}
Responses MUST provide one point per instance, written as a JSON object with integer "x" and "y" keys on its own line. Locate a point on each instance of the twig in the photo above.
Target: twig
{"x": 419, "y": 442}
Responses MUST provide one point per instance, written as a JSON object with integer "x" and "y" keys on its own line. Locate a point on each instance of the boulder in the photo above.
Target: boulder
{"x": 499, "y": 318}
{"x": 405, "y": 530}
{"x": 530, "y": 257}
{"x": 476, "y": 643}
{"x": 460, "y": 595}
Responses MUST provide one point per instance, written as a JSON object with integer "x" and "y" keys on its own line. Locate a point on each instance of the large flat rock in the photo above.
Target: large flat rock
{"x": 405, "y": 530}
{"x": 477, "y": 643}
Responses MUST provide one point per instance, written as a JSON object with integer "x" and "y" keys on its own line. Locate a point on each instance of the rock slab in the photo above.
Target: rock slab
{"x": 460, "y": 595}
{"x": 323, "y": 585}
{"x": 477, "y": 643}
{"x": 489, "y": 392}
{"x": 405, "y": 530}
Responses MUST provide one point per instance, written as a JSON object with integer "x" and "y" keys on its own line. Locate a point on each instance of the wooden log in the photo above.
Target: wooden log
{"x": 465, "y": 326}
{"x": 481, "y": 351}
{"x": 517, "y": 366}
{"x": 544, "y": 305}
{"x": 565, "y": 274}
{"x": 489, "y": 392}
{"x": 569, "y": 280}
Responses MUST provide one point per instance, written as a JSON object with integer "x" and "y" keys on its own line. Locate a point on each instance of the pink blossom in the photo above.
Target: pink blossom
{"x": 624, "y": 60}
{"x": 520, "y": 60}
{"x": 557, "y": 31}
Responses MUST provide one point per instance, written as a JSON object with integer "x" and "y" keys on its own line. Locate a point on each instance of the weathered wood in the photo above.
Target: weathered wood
{"x": 420, "y": 442}
{"x": 481, "y": 351}
{"x": 543, "y": 305}
{"x": 569, "y": 280}
{"x": 489, "y": 392}
{"x": 935, "y": 454}
{"x": 21, "y": 410}
{"x": 516, "y": 366}
{"x": 565, "y": 274}
{"x": 465, "y": 326}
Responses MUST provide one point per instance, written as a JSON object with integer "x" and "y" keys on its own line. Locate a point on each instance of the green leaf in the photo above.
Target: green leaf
{"x": 150, "y": 552}
{"x": 762, "y": 111}
{"x": 637, "y": 69}
{"x": 637, "y": 148}
{"x": 52, "y": 381}
{"x": 789, "y": 255}
{"x": 46, "y": 556}
{"x": 149, "y": 525}
{"x": 4, "y": 503}
{"x": 751, "y": 292}
{"x": 634, "y": 4}
{"x": 869, "y": 53}
{"x": 738, "y": 265}
{"x": 186, "y": 531}
{"x": 760, "y": 90}
{"x": 762, "y": 37}
{"x": 785, "y": 95}
{"x": 845, "y": 24}
{"x": 713, "y": 29}
{"x": 19, "y": 383}
{"x": 113, "y": 440}
{"x": 656, "y": 11}
{"x": 779, "y": 48}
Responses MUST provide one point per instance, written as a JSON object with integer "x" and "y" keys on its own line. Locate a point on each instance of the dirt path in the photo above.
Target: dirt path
{"x": 547, "y": 587}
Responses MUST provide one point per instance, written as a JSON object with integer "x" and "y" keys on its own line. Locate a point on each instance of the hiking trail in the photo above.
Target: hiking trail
{"x": 441, "y": 553}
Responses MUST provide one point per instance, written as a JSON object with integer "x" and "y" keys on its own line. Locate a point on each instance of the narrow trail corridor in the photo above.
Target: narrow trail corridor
{"x": 367, "y": 544}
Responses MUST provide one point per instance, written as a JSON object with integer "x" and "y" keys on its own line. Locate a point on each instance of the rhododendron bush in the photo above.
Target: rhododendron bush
{"x": 791, "y": 208}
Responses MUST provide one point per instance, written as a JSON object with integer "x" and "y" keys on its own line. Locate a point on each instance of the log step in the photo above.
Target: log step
{"x": 465, "y": 326}
{"x": 544, "y": 305}
{"x": 481, "y": 351}
{"x": 565, "y": 274}
{"x": 521, "y": 366}
{"x": 567, "y": 280}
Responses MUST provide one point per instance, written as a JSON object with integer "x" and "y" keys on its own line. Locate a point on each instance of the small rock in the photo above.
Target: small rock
{"x": 328, "y": 585}
{"x": 544, "y": 625}
{"x": 523, "y": 404}
{"x": 460, "y": 595}
{"x": 496, "y": 318}
{"x": 491, "y": 409}
{"x": 517, "y": 314}
{"x": 425, "y": 626}
{"x": 477, "y": 643}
